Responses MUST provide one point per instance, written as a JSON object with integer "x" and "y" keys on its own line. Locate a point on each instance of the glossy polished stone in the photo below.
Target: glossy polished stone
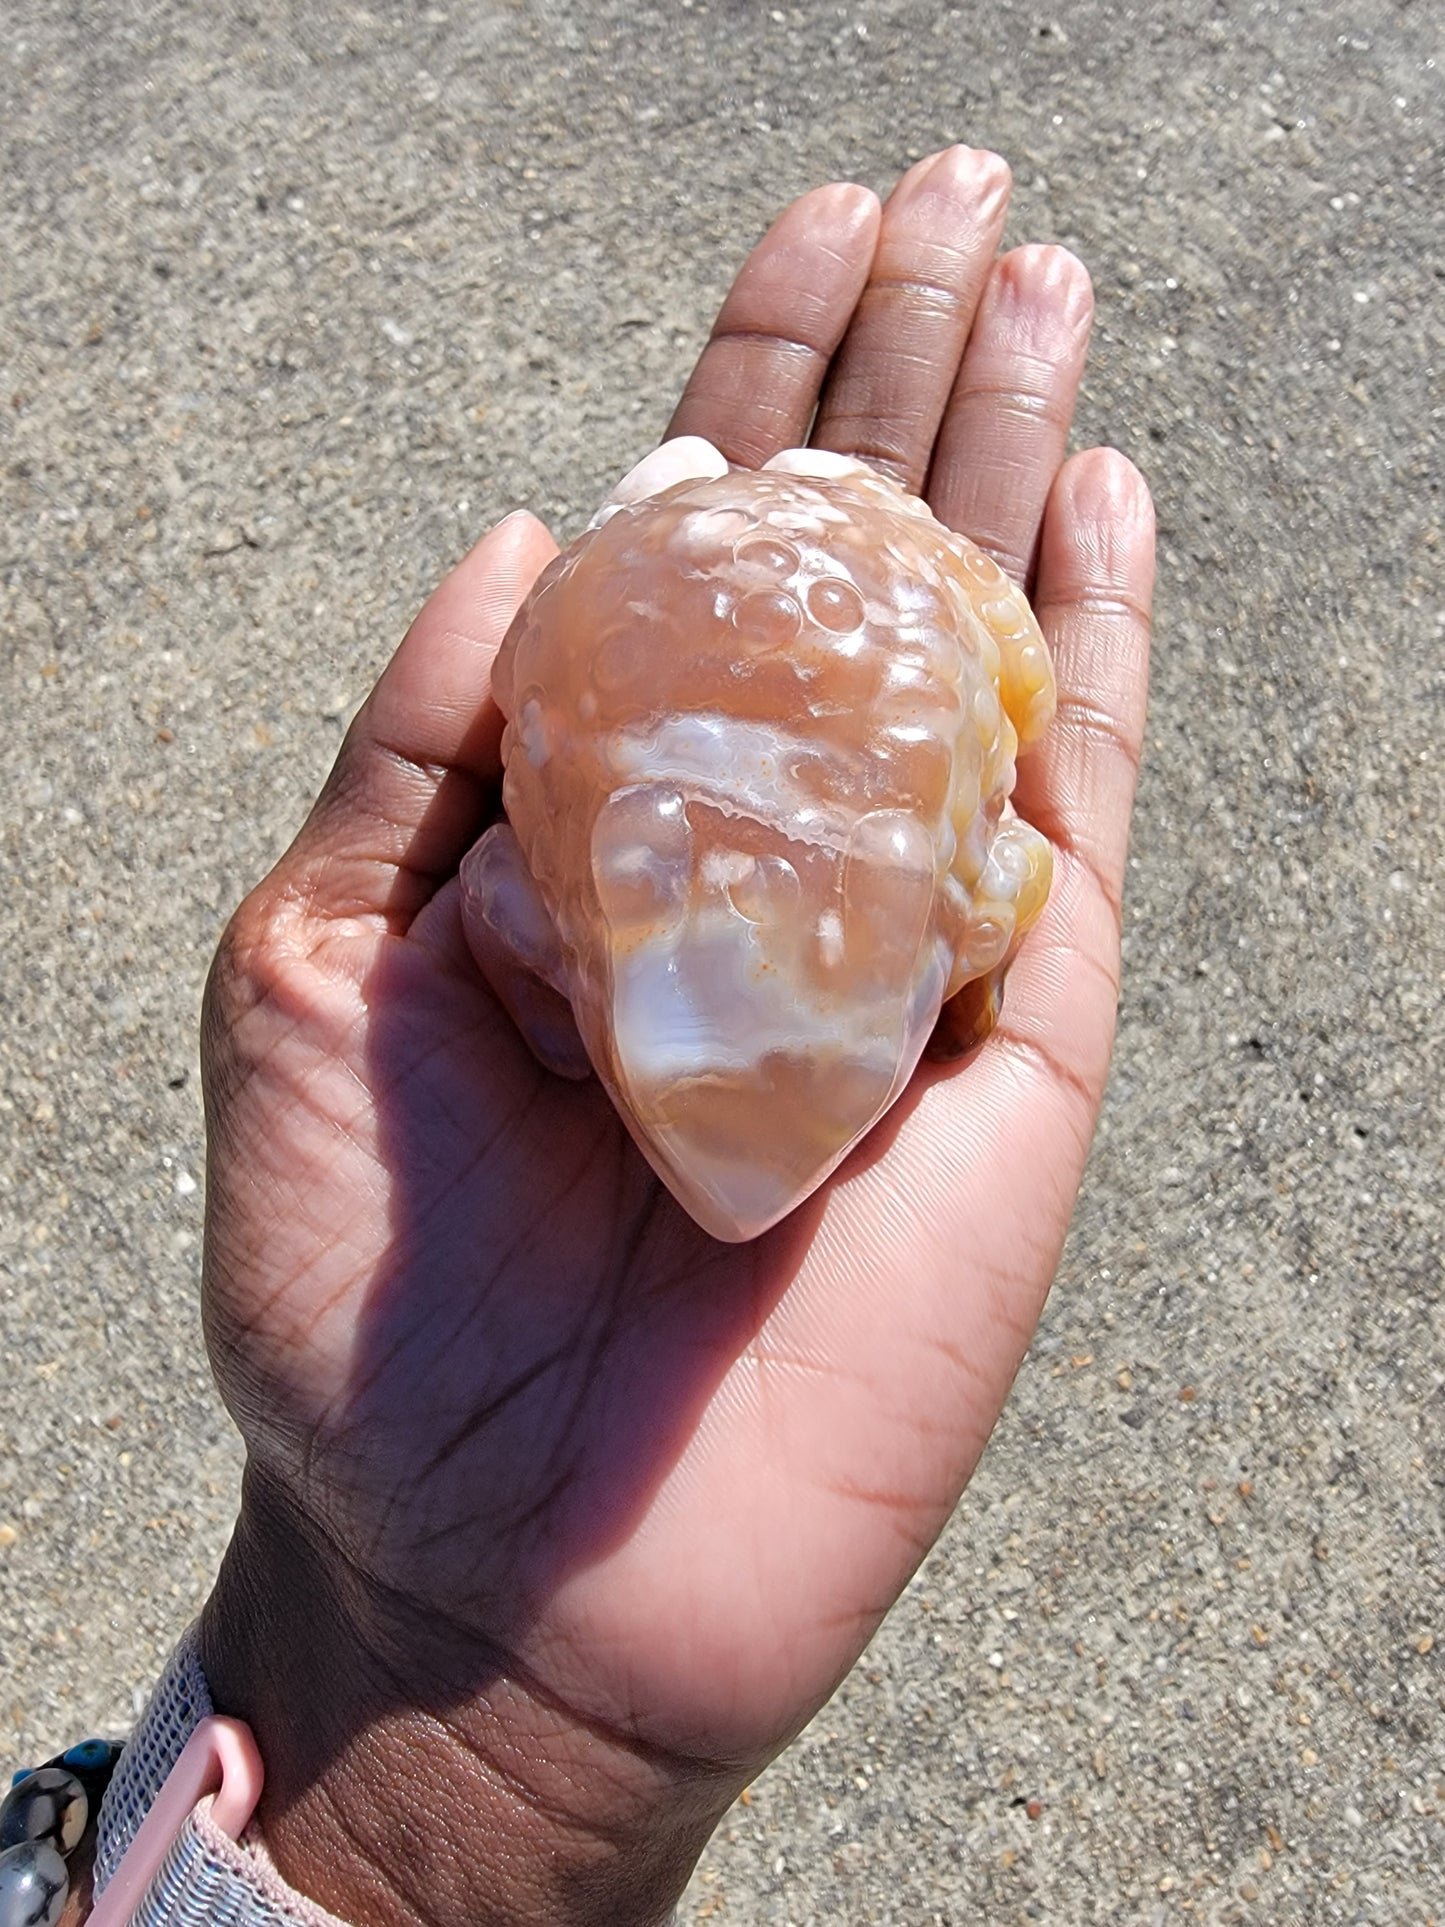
{"x": 48, "y": 1804}
{"x": 761, "y": 741}
{"x": 34, "y": 1885}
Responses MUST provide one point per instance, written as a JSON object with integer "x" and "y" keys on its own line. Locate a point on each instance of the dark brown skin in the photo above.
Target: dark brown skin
{"x": 560, "y": 1519}
{"x": 82, "y": 1894}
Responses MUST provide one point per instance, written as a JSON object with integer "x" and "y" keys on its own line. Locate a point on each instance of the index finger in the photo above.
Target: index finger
{"x": 756, "y": 385}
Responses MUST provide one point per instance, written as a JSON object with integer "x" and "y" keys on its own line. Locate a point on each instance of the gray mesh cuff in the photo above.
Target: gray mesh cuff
{"x": 180, "y": 1702}
{"x": 206, "y": 1877}
{"x": 208, "y": 1880}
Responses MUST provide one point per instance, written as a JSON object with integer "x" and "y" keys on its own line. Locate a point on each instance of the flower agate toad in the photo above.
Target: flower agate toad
{"x": 760, "y": 745}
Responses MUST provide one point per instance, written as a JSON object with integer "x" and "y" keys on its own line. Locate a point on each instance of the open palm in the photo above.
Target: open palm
{"x": 556, "y": 1462}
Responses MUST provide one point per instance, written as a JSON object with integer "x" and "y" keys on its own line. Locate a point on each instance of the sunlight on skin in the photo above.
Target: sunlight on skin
{"x": 525, "y": 1445}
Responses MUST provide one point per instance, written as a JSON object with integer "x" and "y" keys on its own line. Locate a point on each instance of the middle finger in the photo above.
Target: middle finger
{"x": 891, "y": 378}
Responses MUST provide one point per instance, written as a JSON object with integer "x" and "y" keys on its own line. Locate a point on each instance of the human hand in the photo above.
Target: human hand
{"x": 560, "y": 1518}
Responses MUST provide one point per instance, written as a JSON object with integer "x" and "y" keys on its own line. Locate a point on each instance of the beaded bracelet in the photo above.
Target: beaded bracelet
{"x": 43, "y": 1819}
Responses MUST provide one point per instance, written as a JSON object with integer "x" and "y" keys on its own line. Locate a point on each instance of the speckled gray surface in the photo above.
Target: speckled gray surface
{"x": 296, "y": 299}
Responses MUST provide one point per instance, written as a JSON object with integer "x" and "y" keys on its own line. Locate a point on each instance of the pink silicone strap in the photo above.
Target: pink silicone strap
{"x": 221, "y": 1758}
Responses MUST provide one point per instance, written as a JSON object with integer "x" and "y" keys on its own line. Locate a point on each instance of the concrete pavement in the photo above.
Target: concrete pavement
{"x": 296, "y": 299}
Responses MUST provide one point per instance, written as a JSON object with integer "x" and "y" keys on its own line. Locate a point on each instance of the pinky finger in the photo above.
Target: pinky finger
{"x": 1093, "y": 599}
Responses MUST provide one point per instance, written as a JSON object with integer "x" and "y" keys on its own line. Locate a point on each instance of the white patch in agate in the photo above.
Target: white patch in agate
{"x": 686, "y": 458}
{"x": 817, "y": 464}
{"x": 742, "y": 769}
{"x": 764, "y": 798}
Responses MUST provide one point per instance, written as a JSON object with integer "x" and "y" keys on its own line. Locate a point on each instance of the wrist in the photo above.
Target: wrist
{"x": 415, "y": 1779}
{"x": 80, "y": 1866}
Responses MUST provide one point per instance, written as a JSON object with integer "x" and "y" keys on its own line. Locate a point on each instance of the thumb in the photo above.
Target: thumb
{"x": 412, "y": 784}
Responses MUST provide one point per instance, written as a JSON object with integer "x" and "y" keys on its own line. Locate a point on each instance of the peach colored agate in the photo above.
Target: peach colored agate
{"x": 760, "y": 746}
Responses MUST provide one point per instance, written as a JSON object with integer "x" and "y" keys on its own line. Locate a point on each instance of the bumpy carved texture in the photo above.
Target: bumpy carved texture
{"x": 760, "y": 745}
